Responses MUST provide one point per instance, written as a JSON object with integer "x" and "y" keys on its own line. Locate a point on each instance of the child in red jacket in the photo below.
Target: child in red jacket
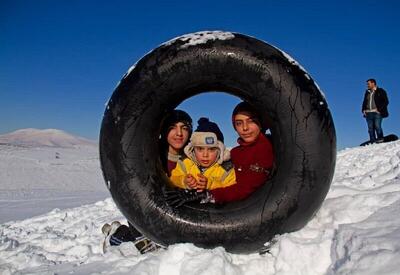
{"x": 253, "y": 161}
{"x": 253, "y": 158}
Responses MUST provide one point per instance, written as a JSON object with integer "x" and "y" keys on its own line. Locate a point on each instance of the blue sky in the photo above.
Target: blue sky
{"x": 60, "y": 60}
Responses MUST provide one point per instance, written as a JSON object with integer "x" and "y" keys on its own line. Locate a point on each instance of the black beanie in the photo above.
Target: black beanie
{"x": 205, "y": 125}
{"x": 174, "y": 117}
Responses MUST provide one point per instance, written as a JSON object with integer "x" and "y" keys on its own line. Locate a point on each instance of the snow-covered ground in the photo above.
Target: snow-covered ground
{"x": 356, "y": 231}
{"x": 45, "y": 169}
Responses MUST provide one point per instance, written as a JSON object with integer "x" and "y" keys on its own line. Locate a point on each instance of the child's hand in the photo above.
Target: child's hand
{"x": 190, "y": 181}
{"x": 202, "y": 183}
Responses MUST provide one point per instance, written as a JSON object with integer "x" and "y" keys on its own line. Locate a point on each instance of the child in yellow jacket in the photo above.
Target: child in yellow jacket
{"x": 206, "y": 165}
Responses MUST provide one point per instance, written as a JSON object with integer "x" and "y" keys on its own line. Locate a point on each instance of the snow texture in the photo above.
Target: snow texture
{"x": 202, "y": 37}
{"x": 45, "y": 169}
{"x": 356, "y": 231}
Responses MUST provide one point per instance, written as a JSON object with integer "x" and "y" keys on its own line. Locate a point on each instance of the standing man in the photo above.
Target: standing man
{"x": 374, "y": 109}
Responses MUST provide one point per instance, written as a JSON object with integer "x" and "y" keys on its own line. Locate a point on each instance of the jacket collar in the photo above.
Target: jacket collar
{"x": 371, "y": 90}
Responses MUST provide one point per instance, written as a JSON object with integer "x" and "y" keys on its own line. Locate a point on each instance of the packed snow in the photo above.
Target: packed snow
{"x": 45, "y": 169}
{"x": 202, "y": 37}
{"x": 356, "y": 231}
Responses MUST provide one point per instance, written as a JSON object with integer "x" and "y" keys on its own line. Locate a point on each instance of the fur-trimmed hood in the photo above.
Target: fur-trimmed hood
{"x": 206, "y": 139}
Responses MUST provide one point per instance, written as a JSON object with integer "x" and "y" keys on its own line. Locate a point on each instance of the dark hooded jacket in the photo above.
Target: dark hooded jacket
{"x": 381, "y": 101}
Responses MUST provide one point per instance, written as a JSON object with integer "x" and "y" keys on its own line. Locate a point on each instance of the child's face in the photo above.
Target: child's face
{"x": 206, "y": 156}
{"x": 246, "y": 127}
{"x": 177, "y": 137}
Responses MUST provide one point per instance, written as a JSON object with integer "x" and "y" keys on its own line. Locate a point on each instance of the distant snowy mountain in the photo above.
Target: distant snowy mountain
{"x": 47, "y": 137}
{"x": 43, "y": 170}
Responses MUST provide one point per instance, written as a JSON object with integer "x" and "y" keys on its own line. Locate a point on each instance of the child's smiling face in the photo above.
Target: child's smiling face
{"x": 177, "y": 137}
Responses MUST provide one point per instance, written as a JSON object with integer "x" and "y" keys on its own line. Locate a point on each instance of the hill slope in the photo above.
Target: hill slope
{"x": 41, "y": 175}
{"x": 48, "y": 137}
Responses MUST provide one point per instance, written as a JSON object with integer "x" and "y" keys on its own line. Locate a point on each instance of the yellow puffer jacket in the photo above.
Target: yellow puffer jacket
{"x": 217, "y": 176}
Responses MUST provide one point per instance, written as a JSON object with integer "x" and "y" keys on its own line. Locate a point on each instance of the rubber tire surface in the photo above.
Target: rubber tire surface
{"x": 303, "y": 134}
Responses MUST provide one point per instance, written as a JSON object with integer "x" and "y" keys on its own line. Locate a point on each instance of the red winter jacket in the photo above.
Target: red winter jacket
{"x": 253, "y": 163}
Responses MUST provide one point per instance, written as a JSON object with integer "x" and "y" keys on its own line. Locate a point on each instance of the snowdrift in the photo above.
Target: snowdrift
{"x": 356, "y": 231}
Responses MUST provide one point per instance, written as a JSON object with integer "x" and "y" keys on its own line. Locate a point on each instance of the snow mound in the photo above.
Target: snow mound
{"x": 48, "y": 137}
{"x": 34, "y": 180}
{"x": 356, "y": 231}
{"x": 61, "y": 168}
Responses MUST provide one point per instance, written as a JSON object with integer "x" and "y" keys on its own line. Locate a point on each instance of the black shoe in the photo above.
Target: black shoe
{"x": 121, "y": 235}
{"x": 134, "y": 233}
{"x": 145, "y": 245}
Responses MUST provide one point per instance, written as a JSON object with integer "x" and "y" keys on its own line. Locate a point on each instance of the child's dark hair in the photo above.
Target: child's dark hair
{"x": 169, "y": 121}
{"x": 245, "y": 107}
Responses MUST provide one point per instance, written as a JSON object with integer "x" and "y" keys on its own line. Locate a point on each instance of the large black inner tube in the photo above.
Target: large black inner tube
{"x": 303, "y": 137}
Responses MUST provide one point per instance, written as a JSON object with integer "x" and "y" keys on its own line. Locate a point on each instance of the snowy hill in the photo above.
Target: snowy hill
{"x": 356, "y": 231}
{"x": 48, "y": 137}
{"x": 47, "y": 169}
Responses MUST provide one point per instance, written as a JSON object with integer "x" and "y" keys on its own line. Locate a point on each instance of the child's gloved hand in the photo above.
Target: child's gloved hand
{"x": 202, "y": 182}
{"x": 190, "y": 181}
{"x": 177, "y": 198}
